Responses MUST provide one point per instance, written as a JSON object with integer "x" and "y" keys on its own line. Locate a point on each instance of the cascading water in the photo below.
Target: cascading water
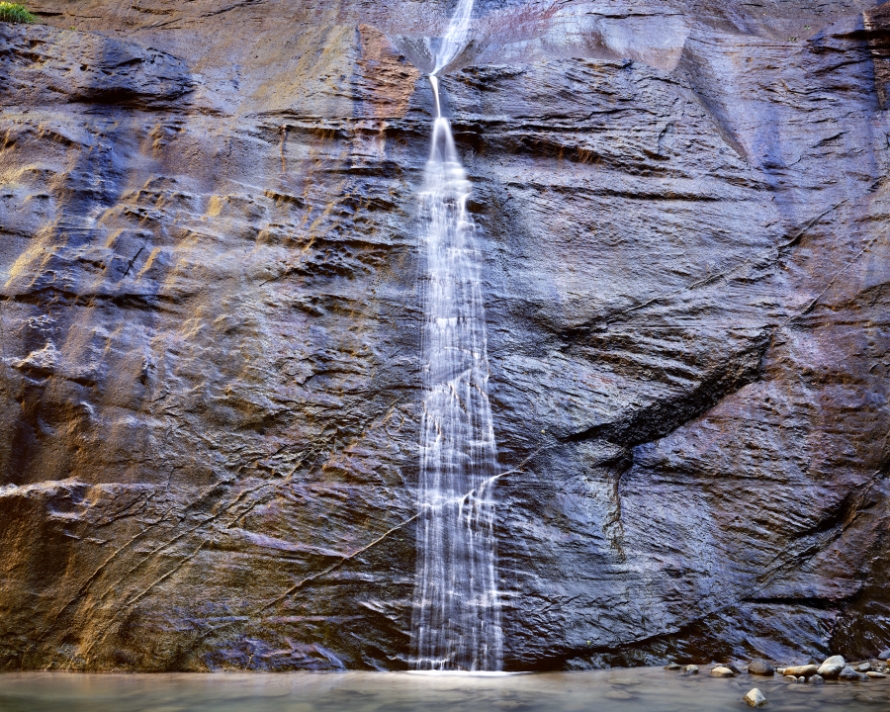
{"x": 456, "y": 618}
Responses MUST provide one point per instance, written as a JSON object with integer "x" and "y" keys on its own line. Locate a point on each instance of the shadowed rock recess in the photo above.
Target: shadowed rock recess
{"x": 210, "y": 289}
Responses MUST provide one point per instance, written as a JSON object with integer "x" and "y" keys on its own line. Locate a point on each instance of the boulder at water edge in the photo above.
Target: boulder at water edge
{"x": 721, "y": 671}
{"x": 760, "y": 667}
{"x": 802, "y": 670}
{"x": 850, "y": 674}
{"x": 755, "y": 698}
{"x": 832, "y": 667}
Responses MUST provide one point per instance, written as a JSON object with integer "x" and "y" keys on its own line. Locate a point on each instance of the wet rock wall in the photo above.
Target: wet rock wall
{"x": 210, "y": 329}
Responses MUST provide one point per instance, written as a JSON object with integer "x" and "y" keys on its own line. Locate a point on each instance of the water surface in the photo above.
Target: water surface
{"x": 641, "y": 689}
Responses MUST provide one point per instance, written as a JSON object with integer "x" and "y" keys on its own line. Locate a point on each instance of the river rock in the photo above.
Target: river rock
{"x": 863, "y": 667}
{"x": 210, "y": 375}
{"x": 802, "y": 670}
{"x": 816, "y": 680}
{"x": 690, "y": 670}
{"x": 884, "y": 654}
{"x": 832, "y": 667}
{"x": 875, "y": 674}
{"x": 760, "y": 667}
{"x": 789, "y": 678}
{"x": 673, "y": 666}
{"x": 721, "y": 671}
{"x": 755, "y": 698}
{"x": 850, "y": 674}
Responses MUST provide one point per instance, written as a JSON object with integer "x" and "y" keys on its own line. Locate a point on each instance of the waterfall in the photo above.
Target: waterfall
{"x": 456, "y": 620}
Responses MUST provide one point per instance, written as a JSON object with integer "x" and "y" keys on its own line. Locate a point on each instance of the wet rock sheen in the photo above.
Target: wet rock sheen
{"x": 211, "y": 325}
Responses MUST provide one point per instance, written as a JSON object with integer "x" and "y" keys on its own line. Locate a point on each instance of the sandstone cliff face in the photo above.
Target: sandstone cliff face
{"x": 210, "y": 324}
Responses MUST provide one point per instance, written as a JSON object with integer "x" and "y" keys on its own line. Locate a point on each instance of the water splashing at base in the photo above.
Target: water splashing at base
{"x": 456, "y": 622}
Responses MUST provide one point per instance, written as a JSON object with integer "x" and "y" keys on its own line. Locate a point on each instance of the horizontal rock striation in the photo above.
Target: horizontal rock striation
{"x": 210, "y": 328}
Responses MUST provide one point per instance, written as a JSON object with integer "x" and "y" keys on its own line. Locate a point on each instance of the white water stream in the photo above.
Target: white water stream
{"x": 456, "y": 621}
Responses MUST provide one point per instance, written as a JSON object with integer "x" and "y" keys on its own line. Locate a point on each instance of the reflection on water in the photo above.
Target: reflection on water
{"x": 642, "y": 689}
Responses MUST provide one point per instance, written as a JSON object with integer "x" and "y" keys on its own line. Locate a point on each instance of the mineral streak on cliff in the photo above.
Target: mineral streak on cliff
{"x": 210, "y": 323}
